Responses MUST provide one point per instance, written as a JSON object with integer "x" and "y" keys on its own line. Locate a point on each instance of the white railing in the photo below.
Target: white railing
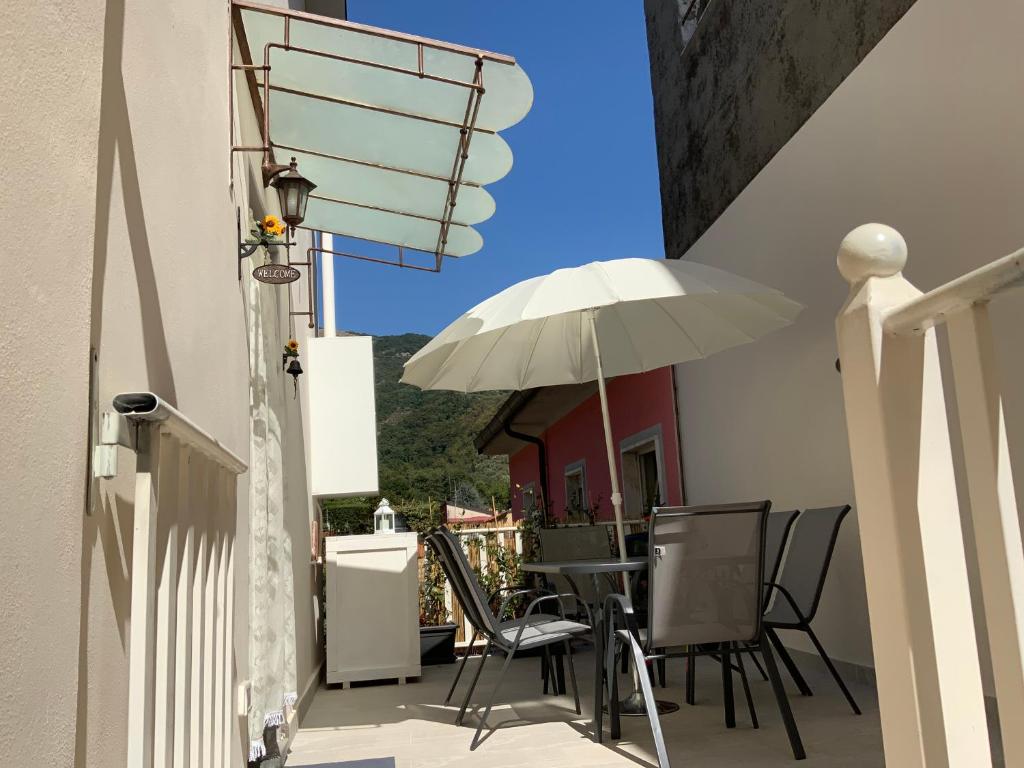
{"x": 922, "y": 622}
{"x": 182, "y": 708}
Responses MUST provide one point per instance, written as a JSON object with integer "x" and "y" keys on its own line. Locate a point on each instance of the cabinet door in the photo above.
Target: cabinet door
{"x": 372, "y": 610}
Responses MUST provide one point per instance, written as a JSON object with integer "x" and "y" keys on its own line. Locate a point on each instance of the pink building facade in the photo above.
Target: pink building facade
{"x": 564, "y": 425}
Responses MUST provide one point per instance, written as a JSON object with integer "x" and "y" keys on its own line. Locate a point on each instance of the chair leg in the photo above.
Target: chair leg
{"x": 746, "y": 687}
{"x": 753, "y": 658}
{"x": 549, "y": 672}
{"x": 613, "y": 688}
{"x": 727, "y": 695}
{"x": 834, "y": 671}
{"x": 613, "y": 708}
{"x": 650, "y": 704}
{"x": 691, "y": 673}
{"x": 572, "y": 677}
{"x": 462, "y": 666}
{"x": 599, "y": 680}
{"x": 490, "y": 702}
{"x": 662, "y": 672}
{"x": 472, "y": 685}
{"x": 559, "y": 674}
{"x": 780, "y": 698}
{"x": 790, "y": 665}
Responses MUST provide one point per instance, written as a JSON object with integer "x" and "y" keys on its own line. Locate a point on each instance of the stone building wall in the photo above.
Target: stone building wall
{"x": 732, "y": 88}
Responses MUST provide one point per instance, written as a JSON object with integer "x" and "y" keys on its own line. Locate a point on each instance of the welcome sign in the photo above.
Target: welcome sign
{"x": 276, "y": 274}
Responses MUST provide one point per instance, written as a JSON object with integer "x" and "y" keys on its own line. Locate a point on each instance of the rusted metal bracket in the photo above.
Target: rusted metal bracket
{"x": 399, "y": 262}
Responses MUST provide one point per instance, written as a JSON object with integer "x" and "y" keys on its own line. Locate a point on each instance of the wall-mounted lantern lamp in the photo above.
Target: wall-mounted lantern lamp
{"x": 292, "y": 191}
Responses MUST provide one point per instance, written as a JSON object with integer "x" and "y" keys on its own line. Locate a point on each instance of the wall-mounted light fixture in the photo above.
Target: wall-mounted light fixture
{"x": 292, "y": 190}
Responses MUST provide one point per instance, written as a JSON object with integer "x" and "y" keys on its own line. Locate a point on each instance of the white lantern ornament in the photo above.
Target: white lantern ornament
{"x": 384, "y": 518}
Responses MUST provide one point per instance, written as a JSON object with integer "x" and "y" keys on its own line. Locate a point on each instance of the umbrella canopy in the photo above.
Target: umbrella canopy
{"x": 606, "y": 318}
{"x": 651, "y": 313}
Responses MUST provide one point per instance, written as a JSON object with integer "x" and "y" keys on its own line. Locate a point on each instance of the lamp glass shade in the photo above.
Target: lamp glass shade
{"x": 293, "y": 194}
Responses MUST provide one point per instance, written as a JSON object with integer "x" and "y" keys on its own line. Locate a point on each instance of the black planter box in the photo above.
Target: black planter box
{"x": 437, "y": 645}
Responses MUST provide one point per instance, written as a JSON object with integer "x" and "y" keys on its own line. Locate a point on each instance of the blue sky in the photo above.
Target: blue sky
{"x": 584, "y": 185}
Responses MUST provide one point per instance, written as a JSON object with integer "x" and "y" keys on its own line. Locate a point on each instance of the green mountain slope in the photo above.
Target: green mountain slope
{"x": 425, "y": 440}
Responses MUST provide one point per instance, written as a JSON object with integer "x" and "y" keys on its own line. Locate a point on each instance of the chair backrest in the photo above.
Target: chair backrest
{"x": 810, "y": 550}
{"x": 706, "y": 574}
{"x": 775, "y": 537}
{"x": 576, "y": 543}
{"x": 451, "y": 573}
{"x": 464, "y": 582}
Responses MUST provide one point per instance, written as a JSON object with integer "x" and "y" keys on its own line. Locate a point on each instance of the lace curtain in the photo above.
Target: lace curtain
{"x": 271, "y": 590}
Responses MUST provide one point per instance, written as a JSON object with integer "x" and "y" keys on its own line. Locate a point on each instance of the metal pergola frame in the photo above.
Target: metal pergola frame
{"x": 261, "y": 104}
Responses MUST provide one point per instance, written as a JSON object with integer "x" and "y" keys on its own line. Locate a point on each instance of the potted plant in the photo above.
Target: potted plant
{"x": 437, "y": 634}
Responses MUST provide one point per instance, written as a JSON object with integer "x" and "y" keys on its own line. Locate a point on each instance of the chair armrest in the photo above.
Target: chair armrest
{"x": 625, "y": 608}
{"x": 561, "y": 608}
{"x": 515, "y": 591}
{"x": 789, "y": 598}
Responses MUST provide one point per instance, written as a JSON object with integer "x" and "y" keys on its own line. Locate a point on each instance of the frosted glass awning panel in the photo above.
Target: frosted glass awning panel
{"x": 383, "y": 139}
{"x": 415, "y": 195}
{"x": 442, "y": 100}
{"x": 406, "y": 231}
{"x": 377, "y": 120}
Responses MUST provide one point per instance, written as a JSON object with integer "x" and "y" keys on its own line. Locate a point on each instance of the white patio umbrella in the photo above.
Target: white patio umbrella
{"x": 603, "y": 319}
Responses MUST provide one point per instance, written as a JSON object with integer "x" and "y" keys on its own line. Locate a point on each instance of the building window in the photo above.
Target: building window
{"x": 643, "y": 472}
{"x": 529, "y": 496}
{"x": 576, "y": 506}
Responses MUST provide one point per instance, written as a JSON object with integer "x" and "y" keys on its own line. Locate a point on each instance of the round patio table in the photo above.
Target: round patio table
{"x": 596, "y": 568}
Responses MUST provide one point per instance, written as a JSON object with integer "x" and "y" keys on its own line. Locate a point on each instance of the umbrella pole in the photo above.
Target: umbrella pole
{"x": 616, "y": 496}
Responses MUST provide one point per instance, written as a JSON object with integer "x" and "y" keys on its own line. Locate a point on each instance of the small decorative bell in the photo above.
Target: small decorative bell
{"x": 295, "y": 370}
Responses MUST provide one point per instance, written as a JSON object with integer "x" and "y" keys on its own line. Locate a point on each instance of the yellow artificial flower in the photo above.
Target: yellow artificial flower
{"x": 293, "y": 345}
{"x": 272, "y": 225}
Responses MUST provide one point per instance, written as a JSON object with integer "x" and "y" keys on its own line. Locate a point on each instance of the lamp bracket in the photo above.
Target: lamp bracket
{"x": 270, "y": 170}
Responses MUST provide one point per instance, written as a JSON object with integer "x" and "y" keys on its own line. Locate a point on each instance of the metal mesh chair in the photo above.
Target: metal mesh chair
{"x": 576, "y": 543}
{"x": 776, "y": 535}
{"x": 797, "y": 589}
{"x": 532, "y": 630}
{"x": 705, "y": 596}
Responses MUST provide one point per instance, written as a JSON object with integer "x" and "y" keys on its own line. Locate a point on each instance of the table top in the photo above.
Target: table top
{"x": 592, "y": 565}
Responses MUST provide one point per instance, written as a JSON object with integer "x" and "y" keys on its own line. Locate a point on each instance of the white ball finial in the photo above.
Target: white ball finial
{"x": 871, "y": 250}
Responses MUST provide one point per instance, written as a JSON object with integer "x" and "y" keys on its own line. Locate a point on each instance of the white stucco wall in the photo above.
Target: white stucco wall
{"x": 115, "y": 126}
{"x": 925, "y": 136}
{"x": 48, "y": 126}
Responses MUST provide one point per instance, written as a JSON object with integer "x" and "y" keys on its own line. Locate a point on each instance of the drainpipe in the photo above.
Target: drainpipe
{"x": 679, "y": 434}
{"x": 542, "y": 461}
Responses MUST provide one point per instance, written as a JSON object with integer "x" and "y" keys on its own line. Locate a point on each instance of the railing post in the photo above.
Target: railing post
{"x": 922, "y": 630}
{"x": 993, "y": 512}
{"x": 183, "y": 627}
{"x": 142, "y": 637}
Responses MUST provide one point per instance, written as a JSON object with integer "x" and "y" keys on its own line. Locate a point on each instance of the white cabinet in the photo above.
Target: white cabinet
{"x": 372, "y": 608}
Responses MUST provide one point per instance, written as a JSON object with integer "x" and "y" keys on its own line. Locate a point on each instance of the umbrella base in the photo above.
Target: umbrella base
{"x": 634, "y": 706}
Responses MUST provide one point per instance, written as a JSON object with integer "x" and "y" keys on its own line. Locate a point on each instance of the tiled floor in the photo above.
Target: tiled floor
{"x": 392, "y": 726}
